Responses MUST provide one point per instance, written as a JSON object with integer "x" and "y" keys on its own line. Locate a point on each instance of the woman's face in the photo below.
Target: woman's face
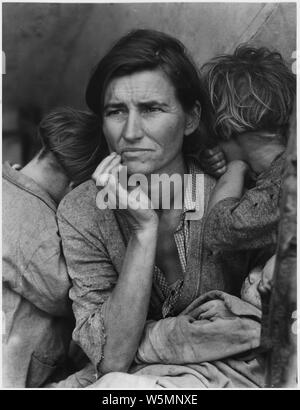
{"x": 144, "y": 122}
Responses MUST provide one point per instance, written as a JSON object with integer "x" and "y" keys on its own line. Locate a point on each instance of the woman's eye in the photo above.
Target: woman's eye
{"x": 113, "y": 113}
{"x": 117, "y": 112}
{"x": 151, "y": 109}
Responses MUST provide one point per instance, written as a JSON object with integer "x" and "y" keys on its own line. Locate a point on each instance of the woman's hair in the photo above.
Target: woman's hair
{"x": 146, "y": 50}
{"x": 249, "y": 90}
{"x": 75, "y": 140}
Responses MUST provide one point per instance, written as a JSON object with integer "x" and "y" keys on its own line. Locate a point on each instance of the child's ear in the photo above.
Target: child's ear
{"x": 193, "y": 119}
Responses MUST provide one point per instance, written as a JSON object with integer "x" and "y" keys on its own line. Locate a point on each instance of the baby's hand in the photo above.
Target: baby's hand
{"x": 266, "y": 283}
{"x": 214, "y": 309}
{"x": 213, "y": 161}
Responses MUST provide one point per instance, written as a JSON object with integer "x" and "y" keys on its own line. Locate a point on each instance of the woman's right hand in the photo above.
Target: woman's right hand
{"x": 135, "y": 203}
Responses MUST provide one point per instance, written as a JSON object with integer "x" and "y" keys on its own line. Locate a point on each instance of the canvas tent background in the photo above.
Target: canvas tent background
{"x": 50, "y": 49}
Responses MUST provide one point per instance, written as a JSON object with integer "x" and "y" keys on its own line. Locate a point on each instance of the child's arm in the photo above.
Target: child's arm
{"x": 231, "y": 184}
{"x": 248, "y": 221}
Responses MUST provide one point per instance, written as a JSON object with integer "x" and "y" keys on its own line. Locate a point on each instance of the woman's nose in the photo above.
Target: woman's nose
{"x": 133, "y": 127}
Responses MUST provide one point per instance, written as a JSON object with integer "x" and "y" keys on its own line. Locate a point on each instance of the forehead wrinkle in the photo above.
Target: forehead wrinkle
{"x": 131, "y": 89}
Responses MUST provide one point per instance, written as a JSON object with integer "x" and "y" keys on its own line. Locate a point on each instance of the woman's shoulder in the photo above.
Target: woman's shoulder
{"x": 79, "y": 206}
{"x": 81, "y": 196}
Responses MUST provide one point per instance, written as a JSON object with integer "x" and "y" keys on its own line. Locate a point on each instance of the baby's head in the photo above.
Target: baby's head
{"x": 258, "y": 281}
{"x": 250, "y": 90}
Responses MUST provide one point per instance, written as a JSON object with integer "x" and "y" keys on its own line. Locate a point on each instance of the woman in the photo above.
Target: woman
{"x": 131, "y": 264}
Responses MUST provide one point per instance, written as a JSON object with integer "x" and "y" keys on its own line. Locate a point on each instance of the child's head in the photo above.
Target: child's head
{"x": 249, "y": 90}
{"x": 72, "y": 142}
{"x": 259, "y": 280}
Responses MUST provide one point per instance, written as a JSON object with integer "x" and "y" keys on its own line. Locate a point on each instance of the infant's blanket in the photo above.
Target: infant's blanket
{"x": 211, "y": 344}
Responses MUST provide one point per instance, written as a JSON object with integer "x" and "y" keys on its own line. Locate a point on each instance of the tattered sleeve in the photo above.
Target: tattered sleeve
{"x": 93, "y": 278}
{"x": 247, "y": 223}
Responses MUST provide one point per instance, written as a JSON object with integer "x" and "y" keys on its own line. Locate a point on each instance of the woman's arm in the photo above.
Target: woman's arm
{"x": 110, "y": 309}
{"x": 126, "y": 310}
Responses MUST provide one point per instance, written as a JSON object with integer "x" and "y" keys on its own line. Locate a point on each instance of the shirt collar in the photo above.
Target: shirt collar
{"x": 27, "y": 184}
{"x": 190, "y": 191}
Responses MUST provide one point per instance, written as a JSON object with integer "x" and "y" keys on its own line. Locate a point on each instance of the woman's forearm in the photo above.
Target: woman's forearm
{"x": 231, "y": 184}
{"x": 126, "y": 310}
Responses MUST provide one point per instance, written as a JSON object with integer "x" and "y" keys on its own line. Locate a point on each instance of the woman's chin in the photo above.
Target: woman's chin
{"x": 138, "y": 167}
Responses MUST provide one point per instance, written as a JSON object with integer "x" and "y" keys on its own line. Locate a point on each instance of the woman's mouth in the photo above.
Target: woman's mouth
{"x": 125, "y": 150}
{"x": 133, "y": 152}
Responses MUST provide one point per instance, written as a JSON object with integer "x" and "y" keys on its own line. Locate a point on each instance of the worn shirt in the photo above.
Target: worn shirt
{"x": 94, "y": 244}
{"x": 171, "y": 293}
{"x": 252, "y": 221}
{"x": 37, "y": 325}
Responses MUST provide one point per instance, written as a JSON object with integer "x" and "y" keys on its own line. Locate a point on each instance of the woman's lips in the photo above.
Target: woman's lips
{"x": 133, "y": 152}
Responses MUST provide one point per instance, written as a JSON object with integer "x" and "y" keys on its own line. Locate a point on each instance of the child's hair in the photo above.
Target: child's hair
{"x": 249, "y": 90}
{"x": 75, "y": 140}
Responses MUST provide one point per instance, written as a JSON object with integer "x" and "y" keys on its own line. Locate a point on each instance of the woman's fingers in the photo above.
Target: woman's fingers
{"x": 118, "y": 192}
{"x": 105, "y": 162}
{"x": 104, "y": 169}
{"x": 109, "y": 170}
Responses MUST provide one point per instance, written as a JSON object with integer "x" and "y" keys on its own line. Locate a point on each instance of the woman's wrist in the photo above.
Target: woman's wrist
{"x": 148, "y": 230}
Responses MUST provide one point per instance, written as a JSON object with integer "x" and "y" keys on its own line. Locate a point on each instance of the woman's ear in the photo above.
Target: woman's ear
{"x": 193, "y": 119}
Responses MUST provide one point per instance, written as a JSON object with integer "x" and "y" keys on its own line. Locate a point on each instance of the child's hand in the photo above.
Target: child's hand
{"x": 266, "y": 283}
{"x": 214, "y": 309}
{"x": 213, "y": 161}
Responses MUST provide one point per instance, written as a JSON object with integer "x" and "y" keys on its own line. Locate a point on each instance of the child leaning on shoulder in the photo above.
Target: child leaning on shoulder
{"x": 251, "y": 95}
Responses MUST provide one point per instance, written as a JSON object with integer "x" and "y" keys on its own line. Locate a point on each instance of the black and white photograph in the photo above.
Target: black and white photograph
{"x": 149, "y": 198}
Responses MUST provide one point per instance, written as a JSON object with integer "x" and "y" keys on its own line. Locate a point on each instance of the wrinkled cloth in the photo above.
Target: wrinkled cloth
{"x": 38, "y": 319}
{"x": 188, "y": 352}
{"x": 214, "y": 375}
{"x": 81, "y": 379}
{"x": 94, "y": 244}
{"x": 252, "y": 221}
{"x": 190, "y": 339}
